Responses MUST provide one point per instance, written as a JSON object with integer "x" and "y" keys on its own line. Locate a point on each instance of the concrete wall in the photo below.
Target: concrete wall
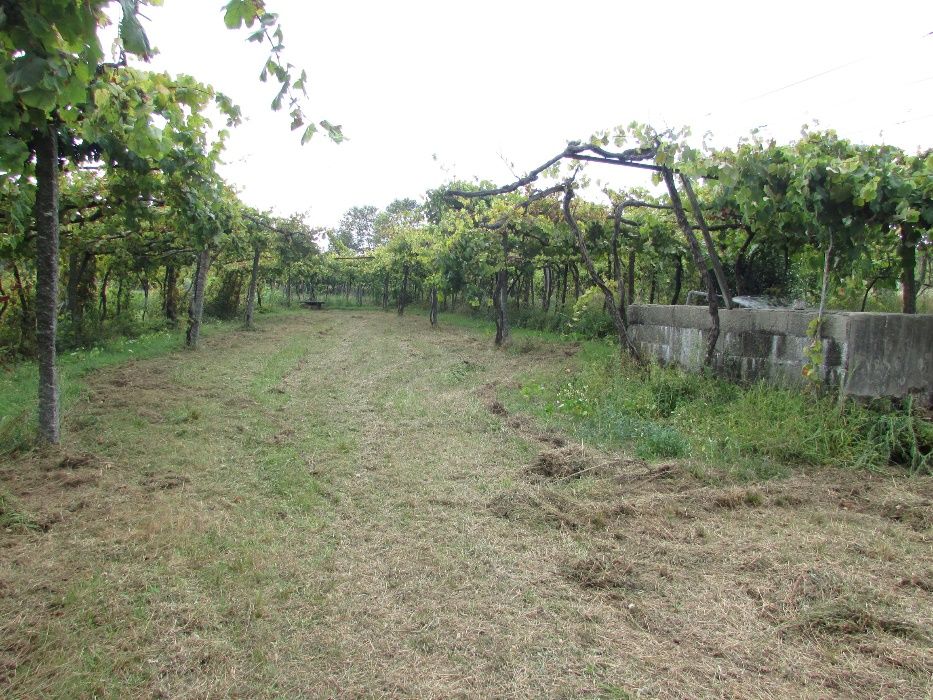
{"x": 868, "y": 354}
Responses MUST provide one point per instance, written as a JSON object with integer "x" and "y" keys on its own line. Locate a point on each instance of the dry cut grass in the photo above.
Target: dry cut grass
{"x": 341, "y": 506}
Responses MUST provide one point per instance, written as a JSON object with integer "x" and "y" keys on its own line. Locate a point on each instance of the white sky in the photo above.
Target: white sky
{"x": 486, "y": 81}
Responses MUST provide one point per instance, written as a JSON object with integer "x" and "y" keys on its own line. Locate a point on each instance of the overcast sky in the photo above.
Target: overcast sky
{"x": 486, "y": 83}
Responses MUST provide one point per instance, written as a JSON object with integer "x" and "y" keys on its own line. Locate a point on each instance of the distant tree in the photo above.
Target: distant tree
{"x": 401, "y": 214}
{"x": 356, "y": 228}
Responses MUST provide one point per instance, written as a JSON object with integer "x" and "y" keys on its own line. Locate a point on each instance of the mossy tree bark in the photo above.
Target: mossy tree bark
{"x": 251, "y": 295}
{"x": 196, "y": 306}
{"x": 47, "y": 241}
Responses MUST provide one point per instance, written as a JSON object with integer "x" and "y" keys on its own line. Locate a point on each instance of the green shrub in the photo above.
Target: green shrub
{"x": 589, "y": 320}
{"x": 898, "y": 437}
{"x": 662, "y": 442}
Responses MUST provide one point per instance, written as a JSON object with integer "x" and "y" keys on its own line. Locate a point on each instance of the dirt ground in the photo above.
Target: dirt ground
{"x": 340, "y": 505}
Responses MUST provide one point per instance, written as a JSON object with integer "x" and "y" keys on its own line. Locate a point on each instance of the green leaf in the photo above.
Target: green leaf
{"x": 309, "y": 132}
{"x": 6, "y": 94}
{"x": 334, "y": 131}
{"x": 237, "y": 12}
{"x": 132, "y": 33}
{"x": 28, "y": 71}
{"x": 13, "y": 154}
{"x": 44, "y": 100}
{"x": 74, "y": 92}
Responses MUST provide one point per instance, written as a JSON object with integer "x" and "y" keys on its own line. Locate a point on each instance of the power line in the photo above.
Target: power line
{"x": 802, "y": 81}
{"x": 915, "y": 119}
{"x": 819, "y": 75}
{"x": 814, "y": 77}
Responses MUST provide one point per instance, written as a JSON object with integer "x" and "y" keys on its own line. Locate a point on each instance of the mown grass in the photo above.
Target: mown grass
{"x": 308, "y": 510}
{"x": 753, "y": 432}
{"x": 12, "y": 515}
{"x": 756, "y": 431}
{"x": 18, "y": 382}
{"x": 197, "y": 580}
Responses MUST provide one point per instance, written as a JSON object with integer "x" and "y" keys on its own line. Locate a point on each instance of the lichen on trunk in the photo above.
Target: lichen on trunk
{"x": 47, "y": 233}
{"x": 196, "y": 306}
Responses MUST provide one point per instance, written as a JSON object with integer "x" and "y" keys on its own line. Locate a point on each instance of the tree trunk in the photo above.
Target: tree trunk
{"x": 500, "y": 302}
{"x": 26, "y": 326}
{"x": 868, "y": 289}
{"x": 908, "y": 250}
{"x": 500, "y": 296}
{"x": 616, "y": 264}
{"x": 170, "y": 294}
{"x": 145, "y": 285}
{"x": 631, "y": 275}
{"x": 46, "y": 212}
{"x": 678, "y": 279}
{"x": 288, "y": 292}
{"x": 433, "y": 315}
{"x": 546, "y": 292}
{"x": 563, "y": 290}
{"x": 698, "y": 260}
{"x": 824, "y": 289}
{"x": 576, "y": 281}
{"x": 740, "y": 281}
{"x": 252, "y": 293}
{"x": 625, "y": 341}
{"x": 76, "y": 292}
{"x": 654, "y": 287}
{"x": 196, "y": 307}
{"x": 922, "y": 274}
{"x": 385, "y": 292}
{"x": 103, "y": 296}
{"x": 71, "y": 286}
{"x": 708, "y": 239}
{"x": 120, "y": 297}
{"x": 403, "y": 291}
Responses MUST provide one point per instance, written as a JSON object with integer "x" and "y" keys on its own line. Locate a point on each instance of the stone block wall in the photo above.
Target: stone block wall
{"x": 867, "y": 354}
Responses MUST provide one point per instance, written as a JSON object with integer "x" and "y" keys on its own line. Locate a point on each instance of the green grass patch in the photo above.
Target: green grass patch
{"x": 755, "y": 432}
{"x": 18, "y": 382}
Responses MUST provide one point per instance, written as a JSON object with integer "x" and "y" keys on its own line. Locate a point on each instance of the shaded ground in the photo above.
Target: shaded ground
{"x": 339, "y": 505}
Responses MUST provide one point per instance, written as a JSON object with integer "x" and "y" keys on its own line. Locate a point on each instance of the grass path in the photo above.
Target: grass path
{"x": 337, "y": 505}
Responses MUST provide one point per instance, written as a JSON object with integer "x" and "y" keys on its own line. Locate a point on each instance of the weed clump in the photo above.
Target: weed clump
{"x": 757, "y": 430}
{"x": 738, "y": 497}
{"x": 12, "y": 517}
{"x": 561, "y": 463}
{"x": 852, "y": 616}
{"x": 604, "y": 571}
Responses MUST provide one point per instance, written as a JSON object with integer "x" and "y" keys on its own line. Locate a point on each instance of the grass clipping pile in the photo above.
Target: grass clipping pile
{"x": 816, "y": 584}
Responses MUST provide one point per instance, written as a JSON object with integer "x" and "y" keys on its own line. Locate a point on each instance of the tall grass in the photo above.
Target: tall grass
{"x": 754, "y": 431}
